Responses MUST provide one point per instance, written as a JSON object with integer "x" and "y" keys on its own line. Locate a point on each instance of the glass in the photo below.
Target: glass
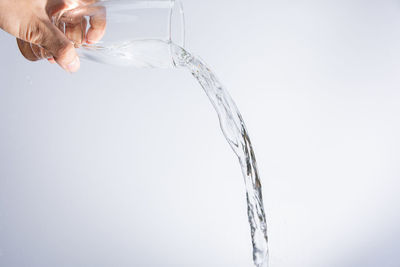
{"x": 125, "y": 32}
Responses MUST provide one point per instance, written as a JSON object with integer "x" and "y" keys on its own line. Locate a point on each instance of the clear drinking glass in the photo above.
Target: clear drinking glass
{"x": 125, "y": 32}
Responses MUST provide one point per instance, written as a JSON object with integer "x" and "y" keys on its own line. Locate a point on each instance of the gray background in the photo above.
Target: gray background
{"x": 127, "y": 167}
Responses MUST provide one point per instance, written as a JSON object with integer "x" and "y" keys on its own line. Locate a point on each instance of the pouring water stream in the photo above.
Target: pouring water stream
{"x": 156, "y": 53}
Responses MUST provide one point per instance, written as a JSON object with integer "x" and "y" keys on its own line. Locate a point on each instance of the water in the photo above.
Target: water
{"x": 235, "y": 132}
{"x": 154, "y": 53}
{"x": 137, "y": 53}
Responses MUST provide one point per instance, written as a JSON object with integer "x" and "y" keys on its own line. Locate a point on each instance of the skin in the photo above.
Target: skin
{"x": 30, "y": 21}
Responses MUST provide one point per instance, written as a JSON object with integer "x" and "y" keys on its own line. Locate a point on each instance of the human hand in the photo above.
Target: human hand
{"x": 31, "y": 22}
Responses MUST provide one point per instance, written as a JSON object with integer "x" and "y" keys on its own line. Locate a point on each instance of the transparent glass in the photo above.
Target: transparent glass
{"x": 125, "y": 32}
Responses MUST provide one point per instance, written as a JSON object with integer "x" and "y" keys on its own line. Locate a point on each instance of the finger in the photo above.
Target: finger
{"x": 76, "y": 32}
{"x": 55, "y": 6}
{"x": 26, "y": 50}
{"x": 32, "y": 52}
{"x": 63, "y": 51}
{"x": 97, "y": 20}
{"x": 97, "y": 26}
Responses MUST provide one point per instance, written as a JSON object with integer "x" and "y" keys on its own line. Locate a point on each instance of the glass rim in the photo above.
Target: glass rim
{"x": 177, "y": 6}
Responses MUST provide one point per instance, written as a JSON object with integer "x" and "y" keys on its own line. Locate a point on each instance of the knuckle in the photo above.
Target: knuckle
{"x": 63, "y": 51}
{"x": 64, "y": 55}
{"x": 32, "y": 32}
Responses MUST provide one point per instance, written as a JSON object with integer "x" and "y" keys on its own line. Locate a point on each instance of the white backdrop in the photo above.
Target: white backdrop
{"x": 127, "y": 167}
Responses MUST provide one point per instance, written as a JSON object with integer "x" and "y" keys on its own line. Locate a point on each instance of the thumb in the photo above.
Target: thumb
{"x": 62, "y": 49}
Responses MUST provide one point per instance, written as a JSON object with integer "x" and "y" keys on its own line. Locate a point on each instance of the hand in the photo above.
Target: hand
{"x": 37, "y": 37}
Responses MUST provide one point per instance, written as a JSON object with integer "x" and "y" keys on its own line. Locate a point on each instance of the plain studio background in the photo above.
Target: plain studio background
{"x": 128, "y": 167}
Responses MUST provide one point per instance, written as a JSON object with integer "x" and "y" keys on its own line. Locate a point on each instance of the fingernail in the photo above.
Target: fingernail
{"x": 89, "y": 41}
{"x": 74, "y": 65}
